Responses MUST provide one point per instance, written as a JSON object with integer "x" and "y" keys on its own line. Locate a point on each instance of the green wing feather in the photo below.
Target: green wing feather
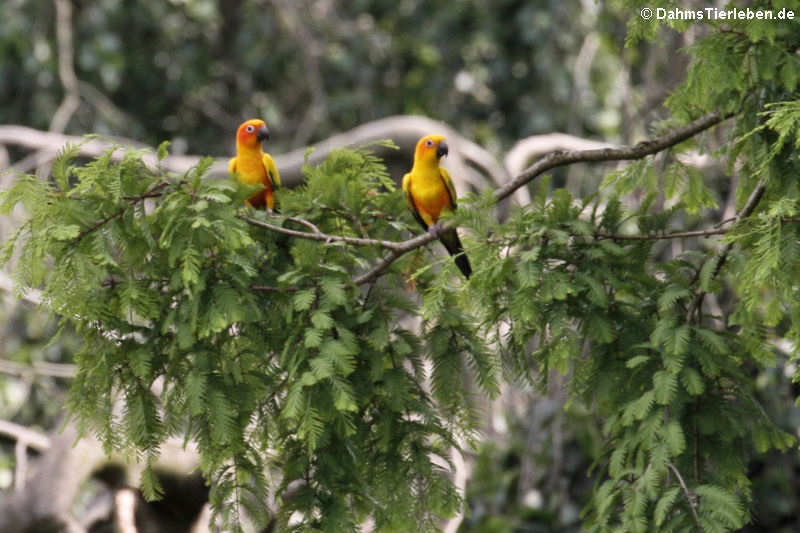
{"x": 272, "y": 170}
{"x": 448, "y": 183}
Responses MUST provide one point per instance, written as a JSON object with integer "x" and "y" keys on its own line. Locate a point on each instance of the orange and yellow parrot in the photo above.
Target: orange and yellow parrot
{"x": 252, "y": 165}
{"x": 429, "y": 191}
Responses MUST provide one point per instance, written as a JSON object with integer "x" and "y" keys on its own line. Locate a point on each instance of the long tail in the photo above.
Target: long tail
{"x": 453, "y": 244}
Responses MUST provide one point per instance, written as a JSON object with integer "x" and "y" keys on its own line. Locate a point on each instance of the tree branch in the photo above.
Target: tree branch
{"x": 401, "y": 248}
{"x": 38, "y": 441}
{"x": 624, "y": 153}
{"x": 689, "y": 496}
{"x": 317, "y": 235}
{"x": 39, "y": 368}
{"x": 659, "y": 236}
{"x": 557, "y": 159}
{"x": 66, "y": 70}
{"x": 153, "y": 192}
{"x": 264, "y": 288}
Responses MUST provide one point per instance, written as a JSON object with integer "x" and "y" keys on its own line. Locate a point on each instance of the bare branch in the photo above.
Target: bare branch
{"x": 325, "y": 237}
{"x": 401, "y": 248}
{"x": 36, "y": 440}
{"x": 624, "y": 153}
{"x": 25, "y": 437}
{"x": 264, "y": 288}
{"x": 659, "y": 236}
{"x": 66, "y": 70}
{"x": 307, "y": 223}
{"x": 39, "y": 368}
{"x": 690, "y": 498}
{"x": 525, "y": 150}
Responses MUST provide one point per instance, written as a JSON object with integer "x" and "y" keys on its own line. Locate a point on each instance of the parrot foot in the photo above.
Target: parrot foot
{"x": 435, "y": 229}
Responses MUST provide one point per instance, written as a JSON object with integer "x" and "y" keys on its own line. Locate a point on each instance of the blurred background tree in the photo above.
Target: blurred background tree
{"x": 190, "y": 71}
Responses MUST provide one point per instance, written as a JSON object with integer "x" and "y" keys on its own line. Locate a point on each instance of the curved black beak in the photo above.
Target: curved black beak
{"x": 441, "y": 149}
{"x": 263, "y": 133}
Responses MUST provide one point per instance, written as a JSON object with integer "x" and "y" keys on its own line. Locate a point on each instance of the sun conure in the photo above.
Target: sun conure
{"x": 251, "y": 165}
{"x": 429, "y": 192}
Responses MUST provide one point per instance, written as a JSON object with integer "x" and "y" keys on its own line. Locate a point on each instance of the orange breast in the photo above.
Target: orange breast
{"x": 432, "y": 204}
{"x": 251, "y": 171}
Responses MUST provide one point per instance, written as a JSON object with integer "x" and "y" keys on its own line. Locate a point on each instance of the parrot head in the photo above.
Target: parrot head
{"x": 251, "y": 133}
{"x": 431, "y": 148}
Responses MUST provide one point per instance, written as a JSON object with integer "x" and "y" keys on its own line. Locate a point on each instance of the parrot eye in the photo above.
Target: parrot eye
{"x": 250, "y": 129}
{"x": 429, "y": 143}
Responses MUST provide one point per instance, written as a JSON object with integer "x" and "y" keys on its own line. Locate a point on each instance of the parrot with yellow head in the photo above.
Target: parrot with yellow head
{"x": 430, "y": 192}
{"x": 252, "y": 165}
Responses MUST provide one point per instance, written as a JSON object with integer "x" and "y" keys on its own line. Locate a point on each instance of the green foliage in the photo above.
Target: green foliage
{"x": 349, "y": 399}
{"x": 257, "y": 346}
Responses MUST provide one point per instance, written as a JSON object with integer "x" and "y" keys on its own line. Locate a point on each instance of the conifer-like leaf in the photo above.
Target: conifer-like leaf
{"x": 721, "y": 505}
{"x": 664, "y": 505}
{"x": 665, "y": 385}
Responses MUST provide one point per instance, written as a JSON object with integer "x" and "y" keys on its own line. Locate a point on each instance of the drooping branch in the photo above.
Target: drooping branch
{"x": 690, "y": 498}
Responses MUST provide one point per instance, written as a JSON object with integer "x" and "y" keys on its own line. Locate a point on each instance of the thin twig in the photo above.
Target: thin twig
{"x": 659, "y": 236}
{"x": 689, "y": 496}
{"x": 264, "y": 288}
{"x": 319, "y": 236}
{"x": 133, "y": 200}
{"x": 97, "y": 225}
{"x": 307, "y": 223}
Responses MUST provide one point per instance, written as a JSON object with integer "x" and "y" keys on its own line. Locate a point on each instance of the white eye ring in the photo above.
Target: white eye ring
{"x": 429, "y": 143}
{"x": 250, "y": 129}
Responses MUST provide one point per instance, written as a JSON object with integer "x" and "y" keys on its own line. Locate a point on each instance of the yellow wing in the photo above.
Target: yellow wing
{"x": 232, "y": 165}
{"x": 272, "y": 170}
{"x": 410, "y": 200}
{"x": 448, "y": 183}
